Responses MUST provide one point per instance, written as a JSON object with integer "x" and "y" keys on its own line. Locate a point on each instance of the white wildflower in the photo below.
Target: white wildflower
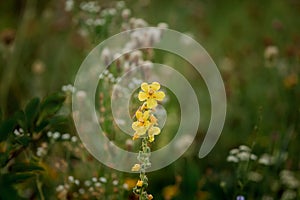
{"x": 125, "y": 186}
{"x": 60, "y": 188}
{"x": 112, "y": 11}
{"x": 126, "y": 13}
{"x": 56, "y": 135}
{"x": 65, "y": 136}
{"x": 232, "y": 158}
{"x": 49, "y": 134}
{"x": 115, "y": 182}
{"x": 271, "y": 52}
{"x": 69, "y": 5}
{"x": 244, "y": 148}
{"x": 81, "y": 191}
{"x": 254, "y": 176}
{"x": 243, "y": 156}
{"x": 74, "y": 139}
{"x": 163, "y": 25}
{"x": 103, "y": 179}
{"x": 266, "y": 159}
{"x": 89, "y": 22}
{"x": 120, "y": 4}
{"x": 94, "y": 179}
{"x": 234, "y": 151}
{"x": 77, "y": 182}
{"x": 253, "y": 157}
{"x": 71, "y": 179}
{"x": 288, "y": 179}
{"x": 97, "y": 184}
{"x": 288, "y": 195}
{"x": 81, "y": 95}
{"x": 99, "y": 22}
{"x": 87, "y": 183}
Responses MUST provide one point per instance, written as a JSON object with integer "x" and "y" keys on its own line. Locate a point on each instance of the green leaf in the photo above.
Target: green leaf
{"x": 1, "y": 116}
{"x": 6, "y": 127}
{"x": 24, "y": 140}
{"x": 54, "y": 121}
{"x": 50, "y": 105}
{"x": 13, "y": 178}
{"x": 19, "y": 116}
{"x": 53, "y": 103}
{"x": 59, "y": 119}
{"x": 7, "y": 191}
{"x": 31, "y": 110}
{"x": 26, "y": 167}
{"x": 41, "y": 125}
{"x": 4, "y": 158}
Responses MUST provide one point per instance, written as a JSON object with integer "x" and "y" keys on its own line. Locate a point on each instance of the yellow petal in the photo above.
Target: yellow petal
{"x": 146, "y": 115}
{"x": 155, "y": 86}
{"x": 151, "y": 103}
{"x": 153, "y": 119}
{"x": 144, "y": 106}
{"x": 135, "y": 125}
{"x": 151, "y": 138}
{"x": 154, "y": 131}
{"x": 139, "y": 183}
{"x": 159, "y": 96}
{"x": 136, "y": 168}
{"x": 141, "y": 130}
{"x": 145, "y": 87}
{"x": 135, "y": 136}
{"x": 142, "y": 96}
{"x": 138, "y": 115}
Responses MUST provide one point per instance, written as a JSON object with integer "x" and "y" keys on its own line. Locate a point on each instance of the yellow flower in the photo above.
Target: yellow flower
{"x": 142, "y": 124}
{"x": 153, "y": 120}
{"x": 170, "y": 191}
{"x": 150, "y": 197}
{"x": 139, "y": 183}
{"x": 130, "y": 182}
{"x": 290, "y": 81}
{"x": 136, "y": 168}
{"x": 150, "y": 94}
{"x": 152, "y": 132}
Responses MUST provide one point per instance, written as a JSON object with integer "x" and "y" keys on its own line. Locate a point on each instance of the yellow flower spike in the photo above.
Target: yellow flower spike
{"x": 150, "y": 94}
{"x": 150, "y": 197}
{"x": 151, "y": 138}
{"x": 135, "y": 136}
{"x": 139, "y": 183}
{"x": 142, "y": 124}
{"x": 136, "y": 168}
{"x": 153, "y": 120}
{"x": 152, "y": 132}
{"x": 144, "y": 106}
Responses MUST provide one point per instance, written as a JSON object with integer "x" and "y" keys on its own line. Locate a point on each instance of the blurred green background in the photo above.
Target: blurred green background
{"x": 255, "y": 44}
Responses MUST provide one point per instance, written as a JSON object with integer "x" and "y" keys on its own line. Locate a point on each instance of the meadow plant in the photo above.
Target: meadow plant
{"x": 146, "y": 128}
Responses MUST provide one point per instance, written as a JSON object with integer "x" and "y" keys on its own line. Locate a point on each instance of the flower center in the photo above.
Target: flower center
{"x": 151, "y": 92}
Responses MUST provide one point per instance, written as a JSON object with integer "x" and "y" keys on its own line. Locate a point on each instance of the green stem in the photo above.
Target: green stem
{"x": 39, "y": 187}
